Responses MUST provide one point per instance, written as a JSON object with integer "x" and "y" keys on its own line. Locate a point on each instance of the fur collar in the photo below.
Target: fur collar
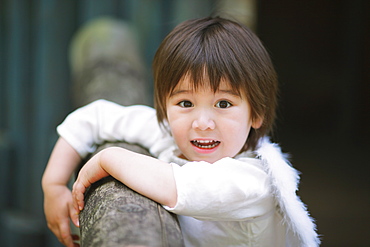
{"x": 284, "y": 182}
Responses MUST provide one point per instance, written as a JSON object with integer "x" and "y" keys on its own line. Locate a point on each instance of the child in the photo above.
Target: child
{"x": 215, "y": 98}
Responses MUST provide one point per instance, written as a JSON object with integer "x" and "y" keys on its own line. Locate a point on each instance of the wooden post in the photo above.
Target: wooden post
{"x": 104, "y": 66}
{"x": 115, "y": 215}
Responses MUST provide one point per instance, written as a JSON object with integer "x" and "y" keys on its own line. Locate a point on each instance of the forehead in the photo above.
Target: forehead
{"x": 188, "y": 85}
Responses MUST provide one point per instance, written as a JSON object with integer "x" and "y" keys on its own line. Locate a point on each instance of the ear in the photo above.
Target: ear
{"x": 257, "y": 123}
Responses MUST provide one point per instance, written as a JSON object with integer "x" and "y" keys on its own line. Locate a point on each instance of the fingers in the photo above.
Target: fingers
{"x": 78, "y": 196}
{"x": 74, "y": 215}
{"x": 75, "y": 238}
{"x": 64, "y": 235}
{"x": 58, "y": 211}
{"x": 62, "y": 231}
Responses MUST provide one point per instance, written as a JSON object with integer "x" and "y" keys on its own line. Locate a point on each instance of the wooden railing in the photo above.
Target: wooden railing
{"x": 114, "y": 215}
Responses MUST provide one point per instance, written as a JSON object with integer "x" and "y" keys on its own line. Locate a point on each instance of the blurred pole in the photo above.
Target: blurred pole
{"x": 19, "y": 227}
{"x": 4, "y": 171}
{"x": 54, "y": 23}
{"x": 17, "y": 98}
{"x": 244, "y": 11}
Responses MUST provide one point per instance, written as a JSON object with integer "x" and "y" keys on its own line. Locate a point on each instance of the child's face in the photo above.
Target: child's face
{"x": 208, "y": 126}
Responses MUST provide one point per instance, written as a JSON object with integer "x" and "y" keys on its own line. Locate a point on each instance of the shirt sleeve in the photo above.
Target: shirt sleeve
{"x": 225, "y": 190}
{"x": 100, "y": 121}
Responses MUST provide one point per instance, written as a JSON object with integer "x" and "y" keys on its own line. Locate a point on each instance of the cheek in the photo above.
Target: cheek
{"x": 175, "y": 130}
{"x": 176, "y": 125}
{"x": 238, "y": 131}
{"x": 179, "y": 136}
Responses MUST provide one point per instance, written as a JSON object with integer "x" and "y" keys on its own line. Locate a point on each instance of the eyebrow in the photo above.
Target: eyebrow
{"x": 184, "y": 91}
{"x": 232, "y": 92}
{"x": 180, "y": 91}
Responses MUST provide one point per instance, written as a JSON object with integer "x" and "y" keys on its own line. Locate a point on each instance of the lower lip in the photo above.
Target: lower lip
{"x": 205, "y": 150}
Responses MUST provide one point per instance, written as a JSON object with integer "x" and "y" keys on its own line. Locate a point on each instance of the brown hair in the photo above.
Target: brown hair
{"x": 214, "y": 48}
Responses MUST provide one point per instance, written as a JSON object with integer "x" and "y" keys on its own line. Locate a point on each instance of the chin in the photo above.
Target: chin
{"x": 208, "y": 159}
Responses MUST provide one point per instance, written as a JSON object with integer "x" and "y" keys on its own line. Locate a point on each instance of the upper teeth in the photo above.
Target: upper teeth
{"x": 206, "y": 143}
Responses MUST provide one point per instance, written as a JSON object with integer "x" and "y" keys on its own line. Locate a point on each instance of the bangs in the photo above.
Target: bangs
{"x": 208, "y": 59}
{"x": 200, "y": 78}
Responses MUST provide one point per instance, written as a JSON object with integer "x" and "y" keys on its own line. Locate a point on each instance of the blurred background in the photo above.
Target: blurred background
{"x": 321, "y": 53}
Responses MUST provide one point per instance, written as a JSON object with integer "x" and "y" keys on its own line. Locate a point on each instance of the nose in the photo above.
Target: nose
{"x": 203, "y": 120}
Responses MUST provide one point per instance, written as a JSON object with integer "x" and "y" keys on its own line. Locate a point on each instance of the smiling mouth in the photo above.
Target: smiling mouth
{"x": 205, "y": 144}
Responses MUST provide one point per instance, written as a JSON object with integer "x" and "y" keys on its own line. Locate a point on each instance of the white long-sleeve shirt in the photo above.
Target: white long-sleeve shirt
{"x": 228, "y": 203}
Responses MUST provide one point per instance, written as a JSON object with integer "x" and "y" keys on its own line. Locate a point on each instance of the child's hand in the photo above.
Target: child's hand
{"x": 78, "y": 195}
{"x": 58, "y": 211}
{"x": 90, "y": 173}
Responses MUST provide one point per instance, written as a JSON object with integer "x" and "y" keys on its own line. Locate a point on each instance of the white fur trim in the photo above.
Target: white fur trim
{"x": 284, "y": 182}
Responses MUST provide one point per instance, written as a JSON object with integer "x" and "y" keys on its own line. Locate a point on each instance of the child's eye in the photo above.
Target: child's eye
{"x": 223, "y": 104}
{"x": 185, "y": 104}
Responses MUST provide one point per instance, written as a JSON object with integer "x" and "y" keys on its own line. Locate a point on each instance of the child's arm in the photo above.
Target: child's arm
{"x": 81, "y": 132}
{"x": 146, "y": 175}
{"x": 102, "y": 121}
{"x": 58, "y": 206}
{"x": 225, "y": 190}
